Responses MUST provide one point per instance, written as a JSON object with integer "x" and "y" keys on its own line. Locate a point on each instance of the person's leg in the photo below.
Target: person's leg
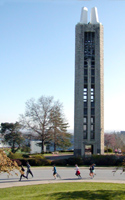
{"x": 27, "y": 173}
{"x": 20, "y": 177}
{"x": 25, "y": 176}
{"x": 54, "y": 174}
{"x": 90, "y": 174}
{"x": 31, "y": 173}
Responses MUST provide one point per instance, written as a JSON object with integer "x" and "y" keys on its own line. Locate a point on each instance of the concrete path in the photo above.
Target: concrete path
{"x": 44, "y": 175}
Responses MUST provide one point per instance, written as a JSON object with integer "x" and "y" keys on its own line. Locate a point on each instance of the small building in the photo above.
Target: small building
{"x": 35, "y": 146}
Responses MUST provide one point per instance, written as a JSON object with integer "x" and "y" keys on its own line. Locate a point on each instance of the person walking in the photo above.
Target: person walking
{"x": 28, "y": 169}
{"x": 90, "y": 173}
{"x": 54, "y": 171}
{"x": 93, "y": 170}
{"x": 22, "y": 173}
{"x": 77, "y": 171}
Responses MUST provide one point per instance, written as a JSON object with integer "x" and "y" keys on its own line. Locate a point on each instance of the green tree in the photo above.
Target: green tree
{"x": 12, "y": 135}
{"x": 59, "y": 126}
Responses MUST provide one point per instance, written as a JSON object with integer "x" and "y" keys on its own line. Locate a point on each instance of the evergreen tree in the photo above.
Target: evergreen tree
{"x": 12, "y": 135}
{"x": 59, "y": 126}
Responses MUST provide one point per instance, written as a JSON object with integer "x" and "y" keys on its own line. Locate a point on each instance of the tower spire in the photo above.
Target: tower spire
{"x": 94, "y": 16}
{"x": 84, "y": 16}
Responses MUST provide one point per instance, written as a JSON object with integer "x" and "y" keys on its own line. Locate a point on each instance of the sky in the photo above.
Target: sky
{"x": 37, "y": 55}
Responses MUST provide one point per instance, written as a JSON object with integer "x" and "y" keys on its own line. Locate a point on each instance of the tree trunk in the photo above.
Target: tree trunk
{"x": 54, "y": 146}
{"x": 54, "y": 139}
{"x": 42, "y": 147}
{"x": 13, "y": 146}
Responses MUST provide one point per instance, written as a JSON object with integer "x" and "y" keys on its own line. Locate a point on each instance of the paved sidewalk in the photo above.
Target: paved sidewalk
{"x": 25, "y": 183}
{"x": 43, "y": 175}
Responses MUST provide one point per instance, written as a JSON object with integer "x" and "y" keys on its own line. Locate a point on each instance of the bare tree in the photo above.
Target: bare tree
{"x": 115, "y": 140}
{"x": 120, "y": 140}
{"x": 37, "y": 117}
{"x": 110, "y": 140}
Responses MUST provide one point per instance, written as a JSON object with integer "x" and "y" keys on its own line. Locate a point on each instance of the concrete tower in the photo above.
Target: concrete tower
{"x": 89, "y": 85}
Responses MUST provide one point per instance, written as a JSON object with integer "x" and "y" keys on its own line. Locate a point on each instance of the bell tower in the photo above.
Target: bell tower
{"x": 89, "y": 85}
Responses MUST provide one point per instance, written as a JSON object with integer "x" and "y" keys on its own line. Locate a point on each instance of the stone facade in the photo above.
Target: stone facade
{"x": 89, "y": 89}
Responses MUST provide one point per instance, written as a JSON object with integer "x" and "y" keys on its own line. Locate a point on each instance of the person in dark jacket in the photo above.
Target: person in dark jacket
{"x": 22, "y": 173}
{"x": 29, "y": 170}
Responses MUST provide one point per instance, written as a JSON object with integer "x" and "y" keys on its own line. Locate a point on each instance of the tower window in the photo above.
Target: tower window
{"x": 85, "y": 94}
{"x": 92, "y": 120}
{"x": 85, "y": 104}
{"x": 85, "y": 127}
{"x": 85, "y": 111}
{"x": 85, "y": 79}
{"x": 92, "y": 111}
{"x": 92, "y": 127}
{"x": 92, "y": 63}
{"x": 92, "y": 94}
{"x": 89, "y": 44}
{"x": 92, "y": 79}
{"x": 92, "y": 104}
{"x": 92, "y": 72}
{"x": 84, "y": 134}
{"x": 92, "y": 135}
{"x": 85, "y": 62}
{"x": 85, "y": 72}
{"x": 85, "y": 120}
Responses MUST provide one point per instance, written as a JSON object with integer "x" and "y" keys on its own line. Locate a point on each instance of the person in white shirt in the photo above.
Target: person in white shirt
{"x": 77, "y": 171}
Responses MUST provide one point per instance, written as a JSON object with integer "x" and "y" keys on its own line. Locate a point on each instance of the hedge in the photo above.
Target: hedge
{"x": 99, "y": 160}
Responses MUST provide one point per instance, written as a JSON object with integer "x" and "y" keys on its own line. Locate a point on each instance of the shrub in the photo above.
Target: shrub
{"x": 10, "y": 155}
{"x": 25, "y": 149}
{"x": 37, "y": 156}
{"x": 6, "y": 164}
{"x": 99, "y": 160}
{"x": 15, "y": 155}
{"x": 88, "y": 161}
{"x": 36, "y": 162}
{"x": 109, "y": 150}
{"x": 75, "y": 160}
{"x": 104, "y": 160}
{"x": 60, "y": 162}
{"x": 25, "y": 155}
{"x": 17, "y": 161}
{"x": 39, "y": 162}
{"x": 47, "y": 152}
{"x": 119, "y": 161}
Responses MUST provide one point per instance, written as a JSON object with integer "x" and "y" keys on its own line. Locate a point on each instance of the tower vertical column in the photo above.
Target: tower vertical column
{"x": 89, "y": 98}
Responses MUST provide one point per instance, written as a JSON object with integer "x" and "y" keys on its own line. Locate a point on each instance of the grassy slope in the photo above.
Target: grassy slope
{"x": 60, "y": 191}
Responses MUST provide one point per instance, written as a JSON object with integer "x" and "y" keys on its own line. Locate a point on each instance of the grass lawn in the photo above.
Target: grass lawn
{"x": 60, "y": 191}
{"x": 59, "y": 153}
